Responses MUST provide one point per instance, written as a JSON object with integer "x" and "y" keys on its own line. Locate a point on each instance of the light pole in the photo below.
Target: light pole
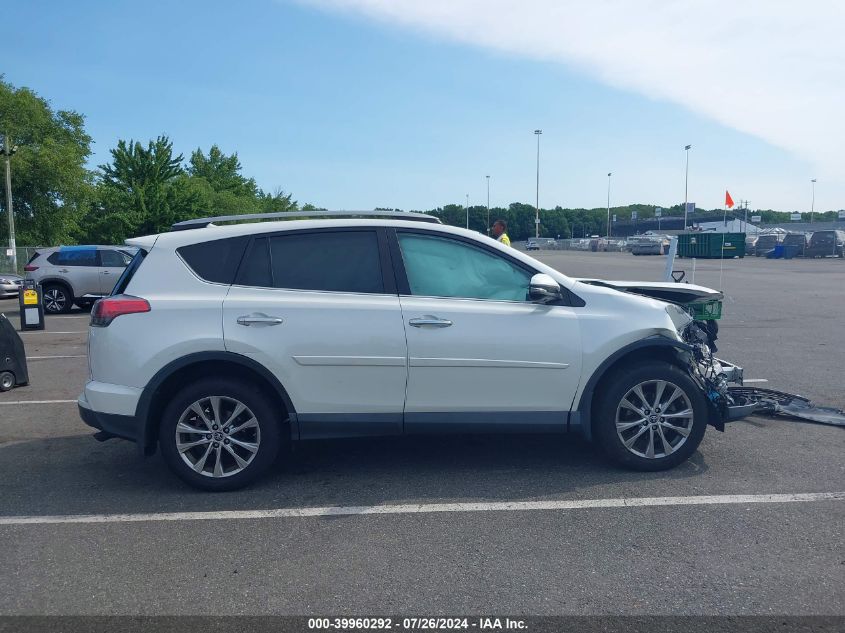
{"x": 609, "y": 174}
{"x": 813, "y": 203}
{"x": 686, "y": 183}
{"x": 537, "y": 207}
{"x": 488, "y": 205}
{"x": 8, "y": 150}
{"x": 467, "y": 210}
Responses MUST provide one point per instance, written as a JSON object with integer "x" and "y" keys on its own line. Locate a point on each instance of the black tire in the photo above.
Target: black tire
{"x": 58, "y": 299}
{"x": 617, "y": 386}
{"x": 7, "y": 380}
{"x": 269, "y": 421}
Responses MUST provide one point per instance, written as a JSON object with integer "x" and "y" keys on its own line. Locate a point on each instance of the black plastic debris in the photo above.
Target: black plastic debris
{"x": 771, "y": 402}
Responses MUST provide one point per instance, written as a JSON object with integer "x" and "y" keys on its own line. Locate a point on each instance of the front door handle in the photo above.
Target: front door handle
{"x": 430, "y": 321}
{"x": 258, "y": 318}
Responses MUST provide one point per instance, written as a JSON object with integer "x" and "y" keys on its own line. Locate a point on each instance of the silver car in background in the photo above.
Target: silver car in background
{"x": 10, "y": 285}
{"x": 76, "y": 275}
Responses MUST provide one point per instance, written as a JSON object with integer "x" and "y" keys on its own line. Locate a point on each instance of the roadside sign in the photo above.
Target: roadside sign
{"x": 756, "y": 218}
{"x": 614, "y": 215}
{"x": 633, "y": 215}
{"x": 658, "y": 212}
{"x": 841, "y": 215}
{"x": 10, "y": 252}
{"x": 536, "y": 220}
{"x": 795, "y": 217}
{"x": 690, "y": 207}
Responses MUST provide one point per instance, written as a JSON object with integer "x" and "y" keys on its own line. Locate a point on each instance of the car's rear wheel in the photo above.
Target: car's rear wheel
{"x": 650, "y": 417}
{"x": 219, "y": 434}
{"x": 57, "y": 299}
{"x": 7, "y": 380}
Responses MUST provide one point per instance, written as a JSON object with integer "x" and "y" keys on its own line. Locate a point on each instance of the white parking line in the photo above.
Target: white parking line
{"x": 426, "y": 508}
{"x": 36, "y": 402}
{"x": 755, "y": 380}
{"x": 49, "y": 357}
{"x": 52, "y": 332}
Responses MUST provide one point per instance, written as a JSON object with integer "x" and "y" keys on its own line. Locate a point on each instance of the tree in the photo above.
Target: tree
{"x": 51, "y": 187}
{"x": 146, "y": 189}
{"x": 221, "y": 172}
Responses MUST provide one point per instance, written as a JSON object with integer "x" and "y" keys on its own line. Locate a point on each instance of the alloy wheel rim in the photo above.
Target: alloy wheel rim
{"x": 654, "y": 419}
{"x": 54, "y": 300}
{"x": 217, "y": 436}
{"x": 6, "y": 381}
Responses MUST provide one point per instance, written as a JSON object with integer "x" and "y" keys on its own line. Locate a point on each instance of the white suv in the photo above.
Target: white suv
{"x": 221, "y": 343}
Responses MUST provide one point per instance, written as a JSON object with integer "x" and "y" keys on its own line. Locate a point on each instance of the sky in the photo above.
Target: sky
{"x": 356, "y": 104}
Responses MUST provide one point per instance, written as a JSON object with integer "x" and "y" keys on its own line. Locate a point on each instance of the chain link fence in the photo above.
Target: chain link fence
{"x": 24, "y": 254}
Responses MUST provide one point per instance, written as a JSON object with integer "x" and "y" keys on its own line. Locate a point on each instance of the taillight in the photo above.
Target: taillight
{"x": 30, "y": 268}
{"x": 108, "y": 309}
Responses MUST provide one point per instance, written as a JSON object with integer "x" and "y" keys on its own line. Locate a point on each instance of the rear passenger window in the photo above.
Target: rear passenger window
{"x": 217, "y": 260}
{"x": 112, "y": 259}
{"x": 74, "y": 257}
{"x": 334, "y": 261}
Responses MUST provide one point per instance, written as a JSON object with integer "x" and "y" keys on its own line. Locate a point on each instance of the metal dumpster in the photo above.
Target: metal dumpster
{"x": 711, "y": 245}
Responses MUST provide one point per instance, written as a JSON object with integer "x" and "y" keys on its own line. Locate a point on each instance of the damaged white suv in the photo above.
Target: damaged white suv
{"x": 221, "y": 343}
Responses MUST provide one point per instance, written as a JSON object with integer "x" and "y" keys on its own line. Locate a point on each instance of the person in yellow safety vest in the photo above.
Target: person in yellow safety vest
{"x": 500, "y": 228}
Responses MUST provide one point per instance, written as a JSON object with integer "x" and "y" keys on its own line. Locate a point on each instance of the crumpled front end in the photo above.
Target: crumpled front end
{"x": 714, "y": 375}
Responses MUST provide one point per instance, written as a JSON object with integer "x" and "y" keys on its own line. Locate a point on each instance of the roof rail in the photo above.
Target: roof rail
{"x": 199, "y": 223}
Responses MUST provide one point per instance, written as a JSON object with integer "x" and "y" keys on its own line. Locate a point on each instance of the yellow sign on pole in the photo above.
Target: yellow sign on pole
{"x": 30, "y": 298}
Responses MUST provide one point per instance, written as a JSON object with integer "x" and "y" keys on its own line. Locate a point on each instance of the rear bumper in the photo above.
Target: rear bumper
{"x": 123, "y": 426}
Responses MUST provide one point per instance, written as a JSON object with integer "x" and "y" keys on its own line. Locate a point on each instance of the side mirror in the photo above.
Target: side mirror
{"x": 543, "y": 289}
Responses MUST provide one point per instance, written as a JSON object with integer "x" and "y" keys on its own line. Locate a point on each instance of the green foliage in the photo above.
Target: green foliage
{"x": 51, "y": 188}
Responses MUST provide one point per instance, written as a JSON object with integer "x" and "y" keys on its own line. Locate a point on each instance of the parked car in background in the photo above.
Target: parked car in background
{"x": 750, "y": 244}
{"x": 648, "y": 244}
{"x": 767, "y": 242}
{"x": 76, "y": 275}
{"x": 10, "y": 285}
{"x": 531, "y": 245}
{"x": 827, "y": 244}
{"x": 797, "y": 242}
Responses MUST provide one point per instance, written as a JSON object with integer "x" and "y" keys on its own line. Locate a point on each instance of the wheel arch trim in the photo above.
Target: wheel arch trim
{"x": 143, "y": 409}
{"x": 583, "y": 412}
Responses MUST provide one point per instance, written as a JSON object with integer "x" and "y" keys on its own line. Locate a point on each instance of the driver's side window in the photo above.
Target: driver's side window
{"x": 443, "y": 267}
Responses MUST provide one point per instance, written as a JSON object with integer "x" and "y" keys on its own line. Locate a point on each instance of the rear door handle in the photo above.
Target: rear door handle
{"x": 430, "y": 321}
{"x": 259, "y": 319}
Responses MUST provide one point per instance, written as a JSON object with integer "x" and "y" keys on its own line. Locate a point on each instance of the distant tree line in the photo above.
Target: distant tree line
{"x": 146, "y": 187}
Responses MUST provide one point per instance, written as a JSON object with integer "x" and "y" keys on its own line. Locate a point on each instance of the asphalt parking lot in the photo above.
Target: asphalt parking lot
{"x": 578, "y": 550}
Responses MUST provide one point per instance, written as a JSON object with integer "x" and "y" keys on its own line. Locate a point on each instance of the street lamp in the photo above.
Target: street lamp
{"x": 7, "y": 150}
{"x": 609, "y": 174}
{"x": 467, "y": 210}
{"x": 686, "y": 183}
{"x": 488, "y": 205}
{"x": 537, "y": 207}
{"x": 813, "y": 203}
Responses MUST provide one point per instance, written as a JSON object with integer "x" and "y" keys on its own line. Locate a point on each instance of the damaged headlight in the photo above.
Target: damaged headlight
{"x": 680, "y": 317}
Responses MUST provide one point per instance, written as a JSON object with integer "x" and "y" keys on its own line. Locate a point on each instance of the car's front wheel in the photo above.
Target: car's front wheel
{"x": 219, "y": 434}
{"x": 650, "y": 416}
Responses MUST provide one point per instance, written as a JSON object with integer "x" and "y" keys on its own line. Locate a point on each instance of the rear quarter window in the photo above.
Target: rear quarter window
{"x": 215, "y": 261}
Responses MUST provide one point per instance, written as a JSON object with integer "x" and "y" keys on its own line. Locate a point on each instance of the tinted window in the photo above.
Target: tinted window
{"x": 255, "y": 270}
{"x": 335, "y": 261}
{"x": 112, "y": 259}
{"x": 442, "y": 267}
{"x": 342, "y": 261}
{"x": 216, "y": 260}
{"x": 74, "y": 257}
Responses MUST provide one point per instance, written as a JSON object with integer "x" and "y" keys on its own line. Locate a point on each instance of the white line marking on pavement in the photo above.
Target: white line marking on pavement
{"x": 49, "y": 357}
{"x": 53, "y": 332}
{"x": 36, "y": 401}
{"x": 755, "y": 380}
{"x": 426, "y": 508}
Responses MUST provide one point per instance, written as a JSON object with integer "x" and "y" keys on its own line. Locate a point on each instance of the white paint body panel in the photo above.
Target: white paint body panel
{"x": 497, "y": 356}
{"x": 334, "y": 352}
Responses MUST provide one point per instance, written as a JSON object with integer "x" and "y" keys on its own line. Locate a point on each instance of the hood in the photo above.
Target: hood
{"x": 662, "y": 290}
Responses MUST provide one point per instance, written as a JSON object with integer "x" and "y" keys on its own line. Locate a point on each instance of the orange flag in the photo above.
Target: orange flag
{"x": 729, "y": 202}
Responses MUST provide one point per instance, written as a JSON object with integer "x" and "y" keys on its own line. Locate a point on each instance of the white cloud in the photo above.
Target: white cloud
{"x": 771, "y": 68}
